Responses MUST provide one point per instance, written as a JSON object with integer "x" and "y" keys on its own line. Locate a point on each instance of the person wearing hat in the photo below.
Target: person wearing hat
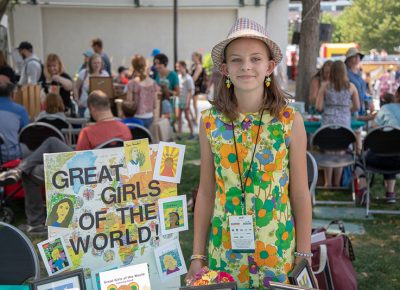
{"x": 252, "y": 141}
{"x": 86, "y": 56}
{"x": 153, "y": 71}
{"x": 32, "y": 69}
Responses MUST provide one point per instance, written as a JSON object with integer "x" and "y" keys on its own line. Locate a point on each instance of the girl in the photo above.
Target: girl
{"x": 54, "y": 107}
{"x": 81, "y": 90}
{"x": 57, "y": 80}
{"x": 198, "y": 78}
{"x": 143, "y": 91}
{"x": 321, "y": 77}
{"x": 246, "y": 138}
{"x": 336, "y": 100}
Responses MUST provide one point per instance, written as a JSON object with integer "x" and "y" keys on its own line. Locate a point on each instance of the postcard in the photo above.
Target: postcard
{"x": 173, "y": 214}
{"x": 169, "y": 162}
{"x": 55, "y": 255}
{"x": 137, "y": 156}
{"x": 135, "y": 277}
{"x": 169, "y": 260}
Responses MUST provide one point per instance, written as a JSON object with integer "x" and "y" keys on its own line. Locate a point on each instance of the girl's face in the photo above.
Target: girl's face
{"x": 62, "y": 210}
{"x": 326, "y": 72}
{"x": 53, "y": 68}
{"x": 247, "y": 64}
{"x": 96, "y": 64}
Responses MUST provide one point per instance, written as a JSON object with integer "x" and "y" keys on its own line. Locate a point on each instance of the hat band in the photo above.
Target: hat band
{"x": 246, "y": 32}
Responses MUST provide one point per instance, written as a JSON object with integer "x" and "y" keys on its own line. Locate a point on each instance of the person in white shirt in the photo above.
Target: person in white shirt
{"x": 186, "y": 85}
{"x": 32, "y": 68}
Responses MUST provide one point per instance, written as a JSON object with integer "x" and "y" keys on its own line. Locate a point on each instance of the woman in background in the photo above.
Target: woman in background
{"x": 337, "y": 99}
{"x": 54, "y": 107}
{"x": 57, "y": 80}
{"x": 321, "y": 77}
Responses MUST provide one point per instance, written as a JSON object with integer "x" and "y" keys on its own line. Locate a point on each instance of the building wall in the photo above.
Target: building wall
{"x": 68, "y": 29}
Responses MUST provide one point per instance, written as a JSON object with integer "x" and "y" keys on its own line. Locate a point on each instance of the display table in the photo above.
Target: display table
{"x": 312, "y": 126}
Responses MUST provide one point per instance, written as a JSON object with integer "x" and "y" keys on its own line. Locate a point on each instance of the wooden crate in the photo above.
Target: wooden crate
{"x": 29, "y": 97}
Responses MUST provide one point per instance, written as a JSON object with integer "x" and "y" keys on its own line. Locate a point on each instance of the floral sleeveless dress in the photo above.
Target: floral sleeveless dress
{"x": 266, "y": 199}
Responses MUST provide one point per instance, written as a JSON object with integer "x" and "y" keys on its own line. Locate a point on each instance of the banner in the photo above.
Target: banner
{"x": 105, "y": 215}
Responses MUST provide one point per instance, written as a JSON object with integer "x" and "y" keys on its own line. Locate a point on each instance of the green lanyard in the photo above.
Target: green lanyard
{"x": 243, "y": 186}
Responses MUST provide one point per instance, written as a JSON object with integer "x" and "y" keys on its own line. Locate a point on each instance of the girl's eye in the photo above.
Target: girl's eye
{"x": 235, "y": 60}
{"x": 255, "y": 59}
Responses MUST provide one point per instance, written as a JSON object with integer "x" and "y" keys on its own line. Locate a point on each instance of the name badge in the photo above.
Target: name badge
{"x": 242, "y": 233}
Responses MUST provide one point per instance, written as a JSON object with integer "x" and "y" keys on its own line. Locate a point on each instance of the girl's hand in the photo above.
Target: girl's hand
{"x": 195, "y": 267}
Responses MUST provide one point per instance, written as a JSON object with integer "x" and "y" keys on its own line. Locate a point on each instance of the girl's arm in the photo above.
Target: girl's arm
{"x": 129, "y": 92}
{"x": 299, "y": 192}
{"x": 77, "y": 87}
{"x": 354, "y": 96}
{"x": 319, "y": 103}
{"x": 197, "y": 72}
{"x": 204, "y": 203}
{"x": 313, "y": 91}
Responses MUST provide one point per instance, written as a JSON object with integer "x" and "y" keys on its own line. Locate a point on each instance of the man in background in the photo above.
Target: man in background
{"x": 32, "y": 69}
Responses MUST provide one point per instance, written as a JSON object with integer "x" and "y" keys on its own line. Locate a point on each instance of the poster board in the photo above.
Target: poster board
{"x": 115, "y": 215}
{"x": 104, "y": 84}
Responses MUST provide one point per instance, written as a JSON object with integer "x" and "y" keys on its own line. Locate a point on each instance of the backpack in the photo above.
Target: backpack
{"x": 201, "y": 83}
{"x": 42, "y": 78}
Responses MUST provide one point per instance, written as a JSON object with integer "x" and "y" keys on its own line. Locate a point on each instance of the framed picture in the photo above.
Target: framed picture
{"x": 222, "y": 286}
{"x": 169, "y": 260}
{"x": 68, "y": 280}
{"x": 169, "y": 162}
{"x": 302, "y": 275}
{"x": 280, "y": 286}
{"x": 134, "y": 277}
{"x": 55, "y": 255}
{"x": 103, "y": 84}
{"x": 173, "y": 214}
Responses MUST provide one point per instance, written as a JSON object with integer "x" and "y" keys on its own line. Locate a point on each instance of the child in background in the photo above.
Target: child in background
{"x": 129, "y": 109}
{"x": 255, "y": 144}
{"x": 186, "y": 86}
{"x": 166, "y": 108}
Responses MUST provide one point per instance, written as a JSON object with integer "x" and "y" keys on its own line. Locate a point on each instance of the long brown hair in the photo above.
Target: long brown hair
{"x": 54, "y": 104}
{"x": 338, "y": 78}
{"x": 275, "y": 99}
{"x": 3, "y": 59}
{"x": 91, "y": 59}
{"x": 139, "y": 66}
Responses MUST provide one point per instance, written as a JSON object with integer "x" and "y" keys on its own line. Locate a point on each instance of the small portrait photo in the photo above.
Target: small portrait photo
{"x": 137, "y": 156}
{"x": 169, "y": 162}
{"x": 55, "y": 255}
{"x": 302, "y": 275}
{"x": 169, "y": 260}
{"x": 68, "y": 280}
{"x": 173, "y": 214}
{"x": 60, "y": 210}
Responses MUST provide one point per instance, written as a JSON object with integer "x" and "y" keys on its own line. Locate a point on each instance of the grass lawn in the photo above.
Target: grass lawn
{"x": 377, "y": 251}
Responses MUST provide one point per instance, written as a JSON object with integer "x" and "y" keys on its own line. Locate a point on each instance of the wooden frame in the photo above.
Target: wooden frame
{"x": 104, "y": 84}
{"x": 302, "y": 275}
{"x": 76, "y": 278}
{"x": 280, "y": 286}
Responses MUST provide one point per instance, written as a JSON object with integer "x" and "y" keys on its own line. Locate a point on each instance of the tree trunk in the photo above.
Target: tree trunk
{"x": 3, "y": 7}
{"x": 309, "y": 46}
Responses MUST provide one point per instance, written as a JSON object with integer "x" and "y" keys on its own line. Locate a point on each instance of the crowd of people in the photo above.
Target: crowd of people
{"x": 340, "y": 93}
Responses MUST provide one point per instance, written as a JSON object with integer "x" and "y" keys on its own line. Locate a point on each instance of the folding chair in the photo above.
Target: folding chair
{"x": 380, "y": 142}
{"x": 112, "y": 143}
{"x": 140, "y": 132}
{"x": 18, "y": 259}
{"x": 325, "y": 142}
{"x": 34, "y": 134}
{"x": 312, "y": 174}
{"x": 56, "y": 121}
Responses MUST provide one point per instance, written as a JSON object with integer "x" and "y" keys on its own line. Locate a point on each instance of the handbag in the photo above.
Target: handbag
{"x": 332, "y": 260}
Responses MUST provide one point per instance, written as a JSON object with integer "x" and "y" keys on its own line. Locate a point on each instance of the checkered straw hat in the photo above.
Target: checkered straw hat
{"x": 245, "y": 27}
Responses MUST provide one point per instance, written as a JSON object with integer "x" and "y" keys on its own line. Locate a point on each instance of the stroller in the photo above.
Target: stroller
{"x": 9, "y": 191}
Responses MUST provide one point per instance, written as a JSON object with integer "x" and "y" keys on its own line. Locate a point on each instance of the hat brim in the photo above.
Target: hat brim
{"x": 358, "y": 53}
{"x": 218, "y": 51}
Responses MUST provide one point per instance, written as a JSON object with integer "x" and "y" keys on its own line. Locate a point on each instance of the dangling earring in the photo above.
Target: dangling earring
{"x": 267, "y": 81}
{"x": 228, "y": 82}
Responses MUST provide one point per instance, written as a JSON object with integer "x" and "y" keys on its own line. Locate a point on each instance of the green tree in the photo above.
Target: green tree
{"x": 370, "y": 23}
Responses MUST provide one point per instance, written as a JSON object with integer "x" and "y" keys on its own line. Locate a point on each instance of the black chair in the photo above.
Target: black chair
{"x": 312, "y": 174}
{"x": 112, "y": 143}
{"x": 140, "y": 132}
{"x": 34, "y": 134}
{"x": 18, "y": 259}
{"x": 382, "y": 142}
{"x": 56, "y": 121}
{"x": 326, "y": 143}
